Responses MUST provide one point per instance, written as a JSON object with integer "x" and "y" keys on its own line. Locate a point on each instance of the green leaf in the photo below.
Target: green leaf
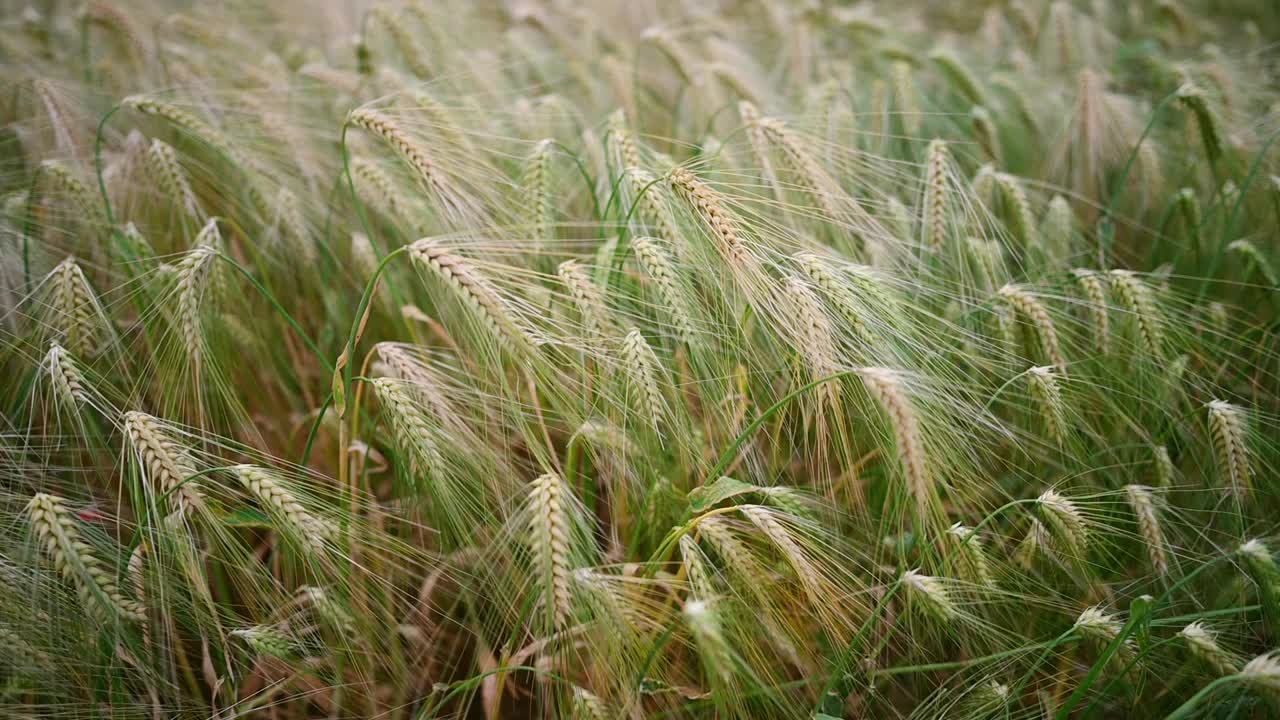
{"x": 708, "y": 496}
{"x": 246, "y": 517}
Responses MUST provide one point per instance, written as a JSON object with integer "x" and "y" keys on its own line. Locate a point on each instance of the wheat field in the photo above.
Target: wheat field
{"x": 648, "y": 359}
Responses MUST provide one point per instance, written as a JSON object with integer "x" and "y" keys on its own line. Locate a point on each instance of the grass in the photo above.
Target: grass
{"x": 759, "y": 360}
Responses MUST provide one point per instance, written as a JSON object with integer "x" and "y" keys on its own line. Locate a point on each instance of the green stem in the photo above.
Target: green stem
{"x": 1187, "y": 707}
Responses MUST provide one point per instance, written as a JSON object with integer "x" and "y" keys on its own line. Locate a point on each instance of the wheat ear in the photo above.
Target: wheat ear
{"x": 1204, "y": 646}
{"x": 191, "y": 281}
{"x": 1043, "y": 383}
{"x": 587, "y": 298}
{"x": 473, "y": 289}
{"x": 838, "y": 291}
{"x": 1096, "y": 294}
{"x": 549, "y": 542}
{"x": 1065, "y": 521}
{"x": 1226, "y": 425}
{"x": 1030, "y": 308}
{"x": 411, "y": 427}
{"x": 1137, "y": 299}
{"x": 1022, "y": 219}
{"x": 173, "y": 179}
{"x": 658, "y": 266}
{"x": 1143, "y": 502}
{"x": 69, "y": 383}
{"x": 885, "y": 386}
{"x": 74, "y": 308}
{"x": 937, "y": 162}
{"x": 537, "y": 195}
{"x": 930, "y": 595}
{"x": 74, "y": 560}
{"x": 973, "y": 556}
{"x": 166, "y": 464}
{"x": 1102, "y": 628}
{"x": 390, "y": 131}
{"x": 711, "y": 210}
{"x": 815, "y": 334}
{"x": 642, "y": 368}
{"x": 306, "y": 528}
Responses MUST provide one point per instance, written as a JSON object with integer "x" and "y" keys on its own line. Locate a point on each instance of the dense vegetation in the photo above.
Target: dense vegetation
{"x": 639, "y": 359}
